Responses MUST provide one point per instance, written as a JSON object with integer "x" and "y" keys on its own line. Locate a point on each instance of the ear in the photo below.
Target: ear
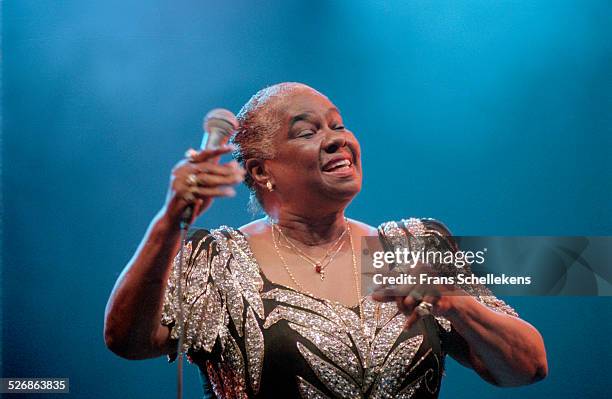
{"x": 258, "y": 171}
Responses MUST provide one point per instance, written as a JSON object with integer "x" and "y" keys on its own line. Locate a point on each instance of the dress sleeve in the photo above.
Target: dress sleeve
{"x": 201, "y": 301}
{"x": 430, "y": 234}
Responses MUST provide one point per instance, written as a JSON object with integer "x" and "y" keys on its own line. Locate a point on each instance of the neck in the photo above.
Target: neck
{"x": 309, "y": 230}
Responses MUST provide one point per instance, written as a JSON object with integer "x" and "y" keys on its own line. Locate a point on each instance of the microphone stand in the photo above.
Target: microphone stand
{"x": 179, "y": 291}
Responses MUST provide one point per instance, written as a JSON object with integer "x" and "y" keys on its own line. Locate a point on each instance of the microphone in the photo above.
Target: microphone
{"x": 218, "y": 125}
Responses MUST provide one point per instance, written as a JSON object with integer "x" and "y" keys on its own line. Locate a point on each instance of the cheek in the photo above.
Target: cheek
{"x": 304, "y": 156}
{"x": 293, "y": 166}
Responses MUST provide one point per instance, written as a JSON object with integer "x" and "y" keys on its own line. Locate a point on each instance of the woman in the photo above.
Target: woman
{"x": 275, "y": 308}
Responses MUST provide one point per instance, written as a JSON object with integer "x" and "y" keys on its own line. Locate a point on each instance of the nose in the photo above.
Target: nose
{"x": 333, "y": 142}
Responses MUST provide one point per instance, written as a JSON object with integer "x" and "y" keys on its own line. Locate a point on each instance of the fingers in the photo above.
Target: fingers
{"x": 385, "y": 294}
{"x": 207, "y": 174}
{"x": 388, "y": 293}
{"x": 211, "y": 180}
{"x": 201, "y": 186}
{"x": 208, "y": 192}
{"x": 227, "y": 169}
{"x": 409, "y": 300}
{"x": 410, "y": 320}
{"x": 407, "y": 304}
{"x": 385, "y": 291}
{"x": 202, "y": 181}
{"x": 198, "y": 178}
{"x": 207, "y": 154}
{"x": 192, "y": 178}
{"x": 433, "y": 299}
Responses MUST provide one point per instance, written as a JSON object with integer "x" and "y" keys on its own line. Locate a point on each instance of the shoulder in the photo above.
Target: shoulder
{"x": 204, "y": 239}
{"x": 362, "y": 228}
{"x": 255, "y": 227}
{"x": 435, "y": 226}
{"x": 417, "y": 227}
{"x": 196, "y": 234}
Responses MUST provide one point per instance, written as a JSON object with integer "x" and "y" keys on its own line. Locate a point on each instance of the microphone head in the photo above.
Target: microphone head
{"x": 219, "y": 124}
{"x": 220, "y": 119}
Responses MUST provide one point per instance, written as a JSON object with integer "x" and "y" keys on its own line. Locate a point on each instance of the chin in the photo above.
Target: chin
{"x": 345, "y": 191}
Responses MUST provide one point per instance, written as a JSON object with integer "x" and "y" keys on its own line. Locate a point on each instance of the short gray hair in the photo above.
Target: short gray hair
{"x": 258, "y": 123}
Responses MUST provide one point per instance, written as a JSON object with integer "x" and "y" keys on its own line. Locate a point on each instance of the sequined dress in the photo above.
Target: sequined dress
{"x": 252, "y": 338}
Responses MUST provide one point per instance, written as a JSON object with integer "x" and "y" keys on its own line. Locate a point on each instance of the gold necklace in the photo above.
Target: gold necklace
{"x": 318, "y": 265}
{"x": 303, "y": 290}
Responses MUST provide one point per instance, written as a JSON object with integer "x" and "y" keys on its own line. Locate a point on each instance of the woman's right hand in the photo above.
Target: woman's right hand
{"x": 199, "y": 178}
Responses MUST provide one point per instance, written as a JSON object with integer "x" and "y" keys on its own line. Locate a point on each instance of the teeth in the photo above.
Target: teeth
{"x": 339, "y": 164}
{"x": 344, "y": 162}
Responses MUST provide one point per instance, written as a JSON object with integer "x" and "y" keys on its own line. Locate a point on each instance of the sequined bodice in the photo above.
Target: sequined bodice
{"x": 254, "y": 338}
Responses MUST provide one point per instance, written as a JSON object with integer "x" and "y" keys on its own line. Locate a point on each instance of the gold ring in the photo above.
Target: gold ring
{"x": 424, "y": 309}
{"x": 192, "y": 179}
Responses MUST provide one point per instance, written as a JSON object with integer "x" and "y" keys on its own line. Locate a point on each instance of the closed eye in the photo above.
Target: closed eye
{"x": 306, "y": 133}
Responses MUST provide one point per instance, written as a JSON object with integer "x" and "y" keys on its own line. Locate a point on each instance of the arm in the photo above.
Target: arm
{"x": 485, "y": 335}
{"x": 132, "y": 324}
{"x": 504, "y": 350}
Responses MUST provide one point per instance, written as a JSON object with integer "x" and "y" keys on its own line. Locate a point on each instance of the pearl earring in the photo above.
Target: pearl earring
{"x": 269, "y": 186}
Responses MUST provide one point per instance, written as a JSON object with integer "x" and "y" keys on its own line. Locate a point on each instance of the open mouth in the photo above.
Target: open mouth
{"x": 339, "y": 165}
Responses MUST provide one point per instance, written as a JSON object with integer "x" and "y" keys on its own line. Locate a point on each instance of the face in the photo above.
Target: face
{"x": 317, "y": 159}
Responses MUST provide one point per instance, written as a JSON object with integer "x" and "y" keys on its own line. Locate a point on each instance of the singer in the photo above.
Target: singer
{"x": 275, "y": 308}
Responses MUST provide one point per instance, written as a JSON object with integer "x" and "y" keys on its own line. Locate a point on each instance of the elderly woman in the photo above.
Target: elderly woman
{"x": 275, "y": 307}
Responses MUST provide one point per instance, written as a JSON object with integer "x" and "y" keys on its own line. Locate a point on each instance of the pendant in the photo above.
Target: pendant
{"x": 318, "y": 268}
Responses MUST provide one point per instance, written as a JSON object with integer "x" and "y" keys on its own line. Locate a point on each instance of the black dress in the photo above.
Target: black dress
{"x": 252, "y": 338}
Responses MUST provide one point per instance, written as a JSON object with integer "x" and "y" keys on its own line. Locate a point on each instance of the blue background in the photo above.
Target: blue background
{"x": 494, "y": 117}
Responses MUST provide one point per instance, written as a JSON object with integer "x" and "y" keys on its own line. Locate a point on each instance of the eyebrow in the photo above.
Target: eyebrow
{"x": 306, "y": 115}
{"x": 300, "y": 117}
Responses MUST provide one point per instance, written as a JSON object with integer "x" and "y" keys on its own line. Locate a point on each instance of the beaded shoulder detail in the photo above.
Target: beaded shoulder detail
{"x": 200, "y": 299}
{"x": 220, "y": 294}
